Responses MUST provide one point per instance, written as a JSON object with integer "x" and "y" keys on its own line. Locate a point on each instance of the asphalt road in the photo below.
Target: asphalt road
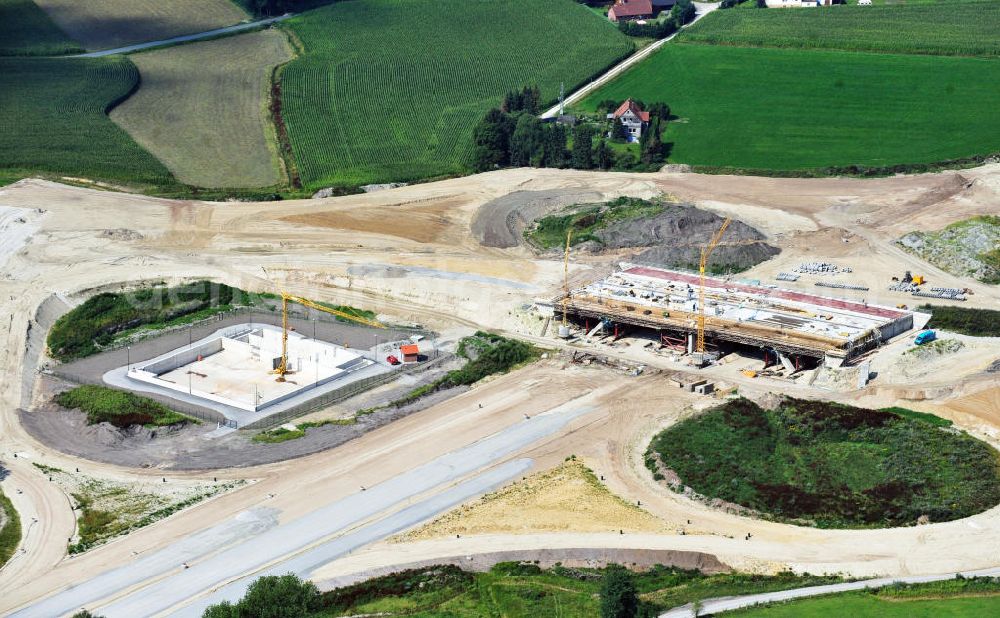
{"x": 185, "y": 38}
{"x": 304, "y": 564}
{"x": 223, "y": 571}
{"x": 710, "y": 607}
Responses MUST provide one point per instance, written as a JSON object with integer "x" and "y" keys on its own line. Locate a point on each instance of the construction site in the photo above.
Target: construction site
{"x": 238, "y": 367}
{"x": 545, "y": 462}
{"x": 798, "y": 328}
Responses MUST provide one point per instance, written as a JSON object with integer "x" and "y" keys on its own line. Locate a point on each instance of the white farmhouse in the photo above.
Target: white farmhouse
{"x": 632, "y": 117}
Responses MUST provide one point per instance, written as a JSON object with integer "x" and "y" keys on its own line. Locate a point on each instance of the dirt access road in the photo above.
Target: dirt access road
{"x": 433, "y": 270}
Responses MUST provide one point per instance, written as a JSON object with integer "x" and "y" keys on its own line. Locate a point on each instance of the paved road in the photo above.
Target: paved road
{"x": 304, "y": 564}
{"x": 292, "y": 546}
{"x": 714, "y": 606}
{"x": 185, "y": 38}
{"x": 703, "y": 10}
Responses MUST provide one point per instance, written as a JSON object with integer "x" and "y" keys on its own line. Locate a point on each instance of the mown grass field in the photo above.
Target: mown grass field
{"x": 201, "y": 109}
{"x": 831, "y": 465}
{"x": 794, "y": 110}
{"x": 970, "y": 28}
{"x": 54, "y": 120}
{"x": 103, "y": 24}
{"x": 25, "y": 30}
{"x": 959, "y": 598}
{"x": 390, "y": 90}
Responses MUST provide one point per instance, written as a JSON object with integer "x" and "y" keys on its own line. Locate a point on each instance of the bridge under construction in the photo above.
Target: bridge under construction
{"x": 788, "y": 322}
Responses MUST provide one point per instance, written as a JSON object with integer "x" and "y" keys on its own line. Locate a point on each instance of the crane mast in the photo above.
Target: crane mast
{"x": 706, "y": 252}
{"x": 569, "y": 234}
{"x": 282, "y": 369}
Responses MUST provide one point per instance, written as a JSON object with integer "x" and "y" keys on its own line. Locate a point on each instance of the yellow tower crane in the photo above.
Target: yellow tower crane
{"x": 282, "y": 369}
{"x": 706, "y": 251}
{"x": 569, "y": 235}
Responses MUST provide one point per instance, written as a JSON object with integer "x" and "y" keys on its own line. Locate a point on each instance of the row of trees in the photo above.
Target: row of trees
{"x": 521, "y": 139}
{"x": 268, "y": 8}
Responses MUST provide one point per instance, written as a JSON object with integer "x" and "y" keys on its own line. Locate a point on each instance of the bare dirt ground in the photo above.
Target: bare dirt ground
{"x": 451, "y": 281}
{"x": 567, "y": 498}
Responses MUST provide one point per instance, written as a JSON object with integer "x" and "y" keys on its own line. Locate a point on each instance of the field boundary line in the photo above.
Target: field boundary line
{"x": 185, "y": 38}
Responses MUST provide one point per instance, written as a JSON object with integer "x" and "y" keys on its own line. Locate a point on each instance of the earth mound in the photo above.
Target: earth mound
{"x": 828, "y": 465}
{"x": 665, "y": 233}
{"x": 965, "y": 248}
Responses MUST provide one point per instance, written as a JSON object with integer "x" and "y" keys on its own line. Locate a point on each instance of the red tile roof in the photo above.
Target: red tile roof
{"x": 631, "y": 8}
{"x": 409, "y": 350}
{"x": 632, "y": 106}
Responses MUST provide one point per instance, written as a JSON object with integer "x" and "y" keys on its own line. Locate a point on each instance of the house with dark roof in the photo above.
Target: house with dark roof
{"x": 633, "y": 119}
{"x": 626, "y": 10}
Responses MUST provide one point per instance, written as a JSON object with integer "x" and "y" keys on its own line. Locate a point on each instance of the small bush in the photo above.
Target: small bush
{"x": 274, "y": 436}
{"x": 489, "y": 354}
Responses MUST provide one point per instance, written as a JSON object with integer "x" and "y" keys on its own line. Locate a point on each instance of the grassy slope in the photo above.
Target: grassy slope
{"x": 522, "y": 593}
{"x": 101, "y": 318}
{"x": 835, "y": 465}
{"x": 777, "y": 109}
{"x": 965, "y": 320}
{"x": 202, "y": 109}
{"x": 10, "y": 533}
{"x": 120, "y": 408}
{"x": 550, "y": 231}
{"x": 963, "y": 29}
{"x": 103, "y": 24}
{"x": 391, "y": 90}
{"x": 25, "y": 30}
{"x": 54, "y": 120}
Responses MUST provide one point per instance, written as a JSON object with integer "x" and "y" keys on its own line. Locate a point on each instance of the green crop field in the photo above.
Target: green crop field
{"x": 957, "y": 598}
{"x": 831, "y": 465}
{"x": 780, "y": 109}
{"x": 103, "y": 24}
{"x": 963, "y": 29}
{"x": 25, "y": 30}
{"x": 390, "y": 90}
{"x": 54, "y": 120}
{"x": 202, "y": 109}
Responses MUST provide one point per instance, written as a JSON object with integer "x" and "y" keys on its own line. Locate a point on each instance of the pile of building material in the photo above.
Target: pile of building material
{"x": 904, "y": 286}
{"x": 821, "y": 268}
{"x": 787, "y": 277}
{"x": 842, "y": 286}
{"x": 945, "y": 293}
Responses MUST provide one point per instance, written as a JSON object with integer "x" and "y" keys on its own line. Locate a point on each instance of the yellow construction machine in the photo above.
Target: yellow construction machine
{"x": 706, "y": 251}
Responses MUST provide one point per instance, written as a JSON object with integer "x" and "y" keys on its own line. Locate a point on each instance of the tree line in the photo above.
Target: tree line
{"x": 269, "y": 8}
{"x": 512, "y": 135}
